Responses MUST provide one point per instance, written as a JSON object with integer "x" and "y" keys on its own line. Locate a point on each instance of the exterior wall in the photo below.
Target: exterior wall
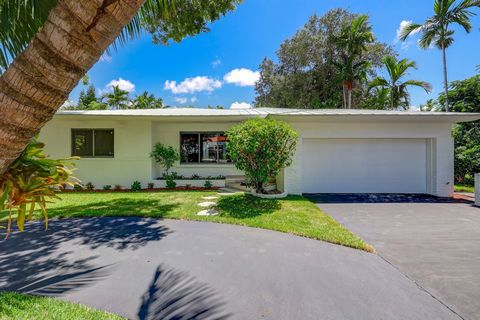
{"x": 132, "y": 146}
{"x": 134, "y": 139}
{"x": 169, "y": 134}
{"x": 439, "y": 148}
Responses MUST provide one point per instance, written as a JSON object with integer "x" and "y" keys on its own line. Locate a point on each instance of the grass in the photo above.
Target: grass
{"x": 20, "y": 306}
{"x": 463, "y": 188}
{"x": 294, "y": 214}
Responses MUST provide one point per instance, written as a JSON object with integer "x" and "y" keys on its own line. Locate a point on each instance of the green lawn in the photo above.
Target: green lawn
{"x": 15, "y": 306}
{"x": 294, "y": 214}
{"x": 462, "y": 188}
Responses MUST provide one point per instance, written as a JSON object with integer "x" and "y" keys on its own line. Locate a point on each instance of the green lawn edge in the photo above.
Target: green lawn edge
{"x": 294, "y": 215}
{"x": 464, "y": 188}
{"x": 18, "y": 306}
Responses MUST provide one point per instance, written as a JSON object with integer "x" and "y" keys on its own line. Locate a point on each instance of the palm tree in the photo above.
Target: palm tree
{"x": 399, "y": 95}
{"x": 117, "y": 99}
{"x": 352, "y": 44}
{"x": 147, "y": 101}
{"x": 53, "y": 43}
{"x": 436, "y": 29}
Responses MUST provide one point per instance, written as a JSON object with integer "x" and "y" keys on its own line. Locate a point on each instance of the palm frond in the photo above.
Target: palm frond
{"x": 416, "y": 83}
{"x": 409, "y": 29}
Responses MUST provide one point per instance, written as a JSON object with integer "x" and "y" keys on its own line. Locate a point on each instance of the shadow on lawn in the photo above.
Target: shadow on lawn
{"x": 246, "y": 206}
{"x": 114, "y": 208}
{"x": 45, "y": 263}
{"x": 174, "y": 294}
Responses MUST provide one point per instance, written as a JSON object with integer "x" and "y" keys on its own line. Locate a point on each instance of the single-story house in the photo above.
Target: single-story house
{"x": 338, "y": 151}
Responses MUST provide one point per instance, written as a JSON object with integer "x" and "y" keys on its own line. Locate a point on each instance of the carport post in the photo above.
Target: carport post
{"x": 477, "y": 189}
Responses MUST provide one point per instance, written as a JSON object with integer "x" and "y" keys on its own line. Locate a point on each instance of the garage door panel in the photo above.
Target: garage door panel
{"x": 364, "y": 166}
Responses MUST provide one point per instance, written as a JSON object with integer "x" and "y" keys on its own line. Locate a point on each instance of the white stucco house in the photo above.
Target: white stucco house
{"x": 339, "y": 151}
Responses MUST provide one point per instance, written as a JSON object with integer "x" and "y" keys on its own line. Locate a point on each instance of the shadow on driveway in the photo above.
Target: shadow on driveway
{"x": 379, "y": 198}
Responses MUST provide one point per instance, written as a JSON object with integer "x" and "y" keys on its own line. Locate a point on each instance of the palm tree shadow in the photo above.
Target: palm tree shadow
{"x": 176, "y": 295}
{"x": 44, "y": 262}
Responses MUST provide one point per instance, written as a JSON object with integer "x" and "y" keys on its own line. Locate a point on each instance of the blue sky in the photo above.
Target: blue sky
{"x": 254, "y": 30}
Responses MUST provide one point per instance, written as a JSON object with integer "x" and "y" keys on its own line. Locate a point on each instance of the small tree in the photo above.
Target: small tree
{"x": 165, "y": 156}
{"x": 261, "y": 148}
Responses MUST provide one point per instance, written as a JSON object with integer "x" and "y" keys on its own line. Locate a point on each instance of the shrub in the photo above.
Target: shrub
{"x": 195, "y": 177}
{"x": 78, "y": 187}
{"x": 117, "y": 187}
{"x": 208, "y": 184}
{"x": 220, "y": 177}
{"x": 136, "y": 186}
{"x": 150, "y": 185}
{"x": 107, "y": 187}
{"x": 30, "y": 181}
{"x": 89, "y": 186}
{"x": 165, "y": 156}
{"x": 170, "y": 184}
{"x": 261, "y": 148}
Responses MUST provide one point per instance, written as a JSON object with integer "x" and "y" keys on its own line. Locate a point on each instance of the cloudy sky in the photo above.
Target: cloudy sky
{"x": 220, "y": 67}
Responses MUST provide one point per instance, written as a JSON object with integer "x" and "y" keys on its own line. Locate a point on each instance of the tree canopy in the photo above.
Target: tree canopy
{"x": 305, "y": 75}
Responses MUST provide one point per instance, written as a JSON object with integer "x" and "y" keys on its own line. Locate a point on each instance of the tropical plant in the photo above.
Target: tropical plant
{"x": 147, "y": 101}
{"x": 107, "y": 187}
{"x": 53, "y": 43}
{"x": 352, "y": 45}
{"x": 170, "y": 183}
{"x": 32, "y": 180}
{"x": 117, "y": 98}
{"x": 166, "y": 156}
{"x": 261, "y": 148}
{"x": 136, "y": 186}
{"x": 436, "y": 30}
{"x": 207, "y": 184}
{"x": 304, "y": 75}
{"x": 398, "y": 89}
{"x": 117, "y": 187}
{"x": 150, "y": 185}
{"x": 89, "y": 186}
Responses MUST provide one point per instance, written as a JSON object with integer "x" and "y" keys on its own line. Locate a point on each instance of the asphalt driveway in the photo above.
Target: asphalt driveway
{"x": 435, "y": 242}
{"x": 153, "y": 269}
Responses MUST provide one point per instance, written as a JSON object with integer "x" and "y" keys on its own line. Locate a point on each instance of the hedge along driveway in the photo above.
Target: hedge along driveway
{"x": 294, "y": 214}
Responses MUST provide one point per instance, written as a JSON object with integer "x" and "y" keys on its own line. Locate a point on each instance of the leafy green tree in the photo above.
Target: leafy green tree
{"x": 464, "y": 96}
{"x": 117, "y": 99}
{"x": 147, "y": 101}
{"x": 352, "y": 65}
{"x": 261, "y": 148}
{"x": 305, "y": 75}
{"x": 377, "y": 98}
{"x": 398, "y": 89}
{"x": 86, "y": 98}
{"x": 166, "y": 156}
{"x": 436, "y": 30}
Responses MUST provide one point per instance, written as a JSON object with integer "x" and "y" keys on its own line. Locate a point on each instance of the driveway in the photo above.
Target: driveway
{"x": 435, "y": 242}
{"x": 153, "y": 269}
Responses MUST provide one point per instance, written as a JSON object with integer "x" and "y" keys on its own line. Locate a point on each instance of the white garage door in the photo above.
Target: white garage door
{"x": 364, "y": 166}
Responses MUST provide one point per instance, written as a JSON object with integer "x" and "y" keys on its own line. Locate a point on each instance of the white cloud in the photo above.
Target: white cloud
{"x": 216, "y": 63}
{"x": 240, "y": 105}
{"x": 242, "y": 77}
{"x": 405, "y": 44}
{"x": 68, "y": 103}
{"x": 192, "y": 85}
{"x": 181, "y": 100}
{"x": 122, "y": 84}
{"x": 105, "y": 57}
{"x": 193, "y": 99}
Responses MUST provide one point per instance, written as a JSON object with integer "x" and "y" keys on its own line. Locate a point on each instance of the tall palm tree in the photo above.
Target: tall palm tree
{"x": 55, "y": 42}
{"x": 147, "y": 101}
{"x": 398, "y": 89}
{"x": 117, "y": 99}
{"x": 352, "y": 44}
{"x": 436, "y": 29}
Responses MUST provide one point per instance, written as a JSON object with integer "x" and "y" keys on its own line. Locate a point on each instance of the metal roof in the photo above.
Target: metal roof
{"x": 294, "y": 114}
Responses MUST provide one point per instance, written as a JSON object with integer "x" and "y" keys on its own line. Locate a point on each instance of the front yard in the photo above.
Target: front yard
{"x": 294, "y": 214}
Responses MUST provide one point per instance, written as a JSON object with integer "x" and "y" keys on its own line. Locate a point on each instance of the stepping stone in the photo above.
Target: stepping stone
{"x": 207, "y": 204}
{"x": 210, "y": 198}
{"x": 208, "y": 212}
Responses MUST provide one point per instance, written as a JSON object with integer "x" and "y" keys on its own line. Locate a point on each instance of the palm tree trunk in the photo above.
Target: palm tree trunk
{"x": 445, "y": 78}
{"x": 40, "y": 79}
{"x": 344, "y": 96}
{"x": 349, "y": 98}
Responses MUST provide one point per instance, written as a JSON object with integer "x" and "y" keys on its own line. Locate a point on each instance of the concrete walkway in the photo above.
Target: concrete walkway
{"x": 152, "y": 269}
{"x": 435, "y": 242}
